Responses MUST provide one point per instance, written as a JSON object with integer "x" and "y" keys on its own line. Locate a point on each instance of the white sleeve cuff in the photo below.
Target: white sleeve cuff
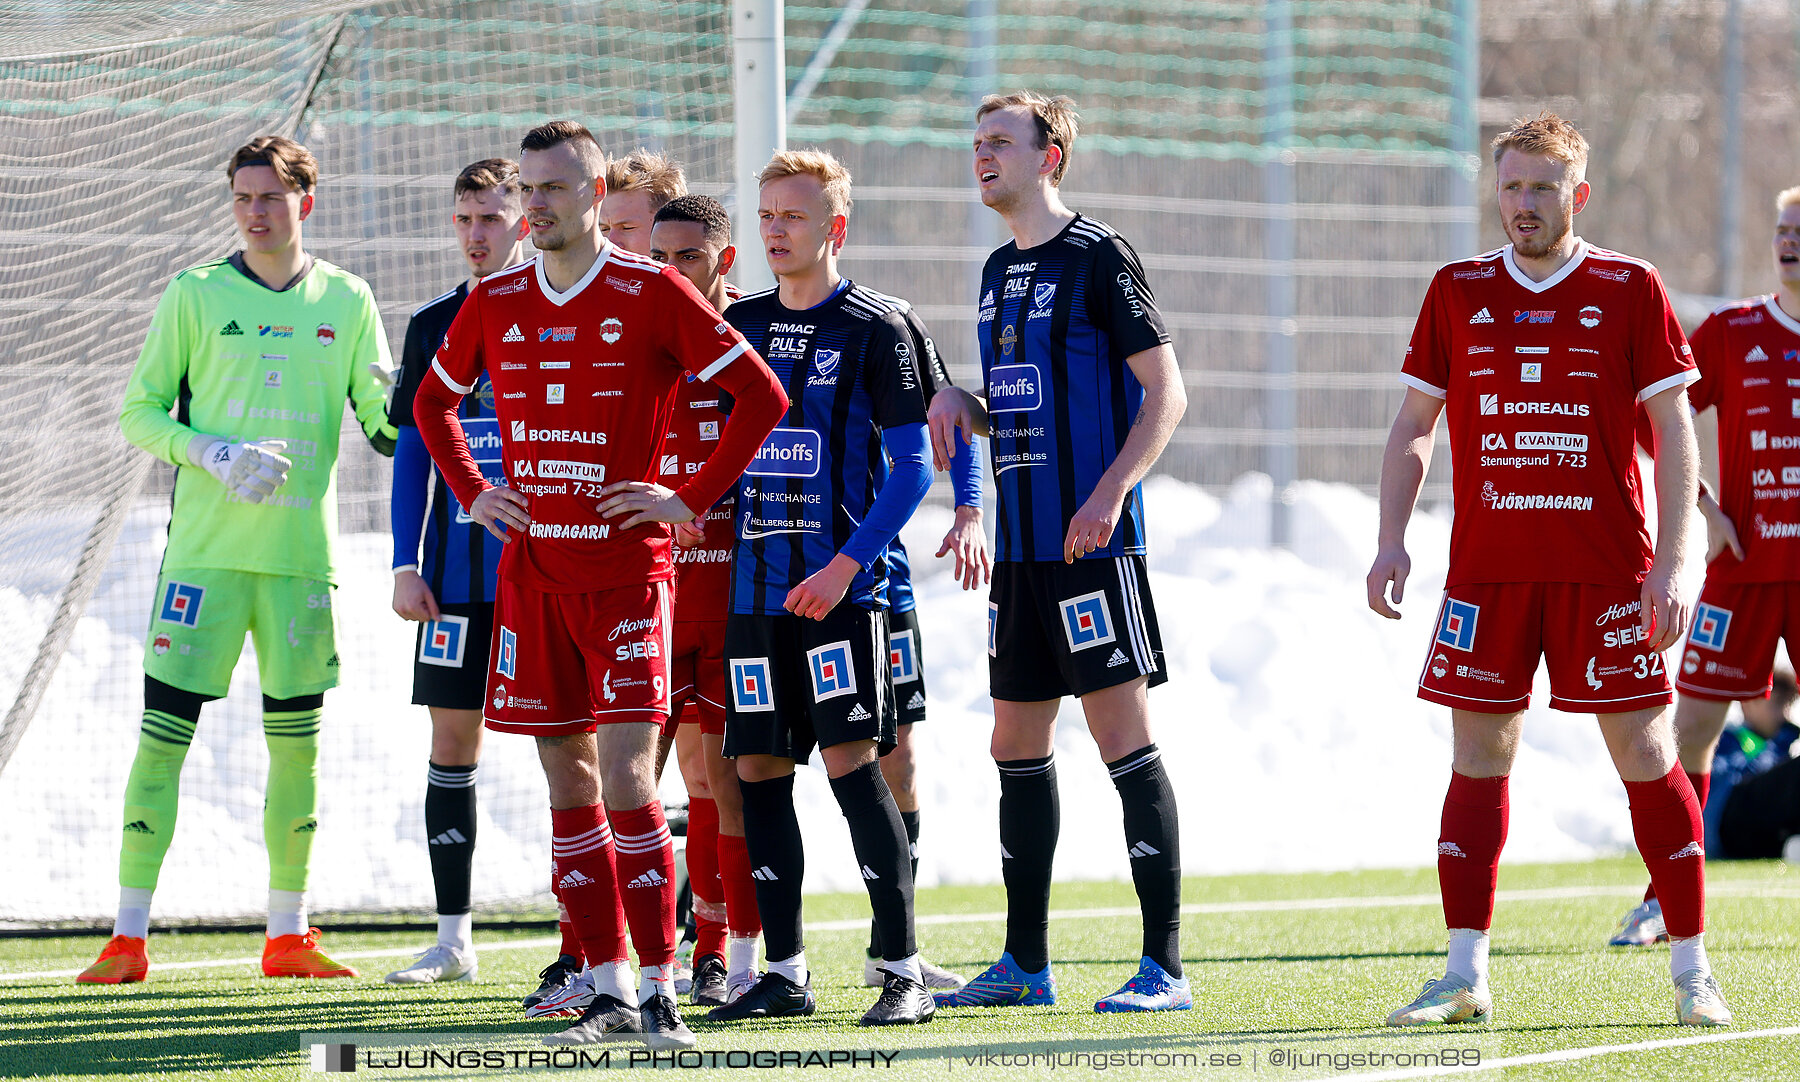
{"x": 713, "y": 368}
{"x": 406, "y": 567}
{"x": 448, "y": 382}
{"x": 1679, "y": 379}
{"x": 1420, "y": 385}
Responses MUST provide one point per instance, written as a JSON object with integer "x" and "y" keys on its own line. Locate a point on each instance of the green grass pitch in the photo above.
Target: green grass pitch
{"x": 1288, "y": 971}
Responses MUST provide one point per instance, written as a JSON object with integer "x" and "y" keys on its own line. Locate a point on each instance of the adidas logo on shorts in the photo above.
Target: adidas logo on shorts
{"x": 857, "y": 713}
{"x": 917, "y": 702}
{"x": 1691, "y": 849}
{"x": 765, "y": 873}
{"x": 1450, "y": 849}
{"x": 512, "y": 335}
{"x": 651, "y": 878}
{"x": 1144, "y": 849}
{"x": 138, "y": 827}
{"x": 1117, "y": 659}
{"x": 575, "y": 879}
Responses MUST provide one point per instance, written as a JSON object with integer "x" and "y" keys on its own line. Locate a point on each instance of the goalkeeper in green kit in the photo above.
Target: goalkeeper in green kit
{"x": 242, "y": 384}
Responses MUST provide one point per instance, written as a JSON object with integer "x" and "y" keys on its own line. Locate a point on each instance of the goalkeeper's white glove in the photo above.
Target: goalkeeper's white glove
{"x": 251, "y": 470}
{"x": 389, "y": 378}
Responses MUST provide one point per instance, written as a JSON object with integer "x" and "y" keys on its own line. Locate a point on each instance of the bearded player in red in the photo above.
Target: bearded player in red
{"x": 1749, "y": 357}
{"x": 1542, "y": 352}
{"x": 586, "y": 347}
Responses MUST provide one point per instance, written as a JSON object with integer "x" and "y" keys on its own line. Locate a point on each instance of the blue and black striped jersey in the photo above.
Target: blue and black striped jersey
{"x": 850, "y": 369}
{"x": 456, "y": 556}
{"x": 1056, "y": 324}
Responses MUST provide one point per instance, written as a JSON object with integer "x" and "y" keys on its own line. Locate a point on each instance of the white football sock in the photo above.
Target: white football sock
{"x": 794, "y": 969}
{"x": 613, "y": 979}
{"x": 740, "y": 955}
{"x": 287, "y": 912}
{"x": 1469, "y": 957}
{"x": 907, "y": 967}
{"x": 656, "y": 981}
{"x": 1686, "y": 954}
{"x": 134, "y": 912}
{"x": 456, "y": 930}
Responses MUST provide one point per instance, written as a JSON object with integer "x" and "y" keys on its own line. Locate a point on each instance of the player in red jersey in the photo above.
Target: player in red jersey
{"x": 586, "y": 346}
{"x": 1542, "y": 352}
{"x": 693, "y": 234}
{"x": 1749, "y": 357}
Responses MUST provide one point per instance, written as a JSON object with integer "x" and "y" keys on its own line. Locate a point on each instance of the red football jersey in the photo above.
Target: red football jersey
{"x": 1541, "y": 382}
{"x": 584, "y": 383}
{"x": 702, "y": 573}
{"x": 1749, "y": 358}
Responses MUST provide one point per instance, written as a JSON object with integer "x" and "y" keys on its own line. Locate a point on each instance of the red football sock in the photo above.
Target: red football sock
{"x": 1470, "y": 838}
{"x": 582, "y": 845}
{"x": 703, "y": 876}
{"x": 1702, "y": 784}
{"x": 646, "y": 859}
{"x": 1665, "y": 820}
{"x": 740, "y": 889}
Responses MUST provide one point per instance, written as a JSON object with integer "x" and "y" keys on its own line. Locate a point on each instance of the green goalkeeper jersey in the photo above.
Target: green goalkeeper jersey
{"x": 229, "y": 357}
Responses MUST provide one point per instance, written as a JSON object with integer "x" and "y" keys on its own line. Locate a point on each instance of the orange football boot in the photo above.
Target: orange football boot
{"x": 122, "y": 962}
{"x": 300, "y": 956}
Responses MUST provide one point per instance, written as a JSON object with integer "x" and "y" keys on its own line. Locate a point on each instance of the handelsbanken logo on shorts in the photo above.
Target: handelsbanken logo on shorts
{"x": 788, "y": 452}
{"x": 1086, "y": 620}
{"x": 1456, "y": 627}
{"x": 750, "y": 685}
{"x": 901, "y": 657}
{"x": 1013, "y": 388}
{"x": 1711, "y": 625}
{"x": 181, "y": 603}
{"x": 832, "y": 673}
{"x": 442, "y": 642}
{"x": 507, "y": 659}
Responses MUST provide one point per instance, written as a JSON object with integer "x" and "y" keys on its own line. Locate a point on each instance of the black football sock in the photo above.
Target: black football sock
{"x": 777, "y": 862}
{"x": 1030, "y": 818}
{"x": 909, "y": 820}
{"x": 879, "y": 839}
{"x": 450, "y": 833}
{"x": 1153, "y": 837}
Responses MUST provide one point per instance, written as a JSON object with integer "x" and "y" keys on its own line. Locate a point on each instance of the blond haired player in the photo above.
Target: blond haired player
{"x": 255, "y": 355}
{"x": 1542, "y": 353}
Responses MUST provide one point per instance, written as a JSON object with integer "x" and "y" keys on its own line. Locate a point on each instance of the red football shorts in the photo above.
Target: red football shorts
{"x": 1489, "y": 637}
{"x": 697, "y": 674}
{"x": 560, "y": 663}
{"x": 1730, "y": 652}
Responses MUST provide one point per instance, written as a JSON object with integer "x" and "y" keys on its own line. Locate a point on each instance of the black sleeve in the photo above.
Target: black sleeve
{"x": 931, "y": 367}
{"x": 891, "y": 373}
{"x": 1121, "y": 301}
{"x": 415, "y": 361}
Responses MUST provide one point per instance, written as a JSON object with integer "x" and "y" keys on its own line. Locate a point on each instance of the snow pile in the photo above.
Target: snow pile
{"x": 1289, "y": 725}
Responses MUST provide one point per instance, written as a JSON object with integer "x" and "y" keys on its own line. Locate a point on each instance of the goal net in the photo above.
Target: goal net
{"x": 116, "y": 120}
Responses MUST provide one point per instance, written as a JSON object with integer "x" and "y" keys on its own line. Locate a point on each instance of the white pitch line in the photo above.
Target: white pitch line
{"x": 1566, "y": 1055}
{"x": 1396, "y": 901}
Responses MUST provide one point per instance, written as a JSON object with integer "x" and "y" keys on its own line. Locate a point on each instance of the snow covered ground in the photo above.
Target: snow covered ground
{"x": 1288, "y": 723}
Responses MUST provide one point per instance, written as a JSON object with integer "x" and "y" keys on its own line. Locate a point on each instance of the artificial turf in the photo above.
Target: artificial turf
{"x": 1300, "y": 968}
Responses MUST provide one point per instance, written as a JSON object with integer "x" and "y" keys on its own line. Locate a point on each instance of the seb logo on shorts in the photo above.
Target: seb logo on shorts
{"x": 507, "y": 659}
{"x": 750, "y": 685}
{"x": 181, "y": 604}
{"x": 642, "y": 648}
{"x": 1456, "y": 627}
{"x": 1015, "y": 388}
{"x": 788, "y": 452}
{"x": 1711, "y": 625}
{"x": 902, "y": 658}
{"x": 442, "y": 642}
{"x": 1086, "y": 620}
{"x": 832, "y": 674}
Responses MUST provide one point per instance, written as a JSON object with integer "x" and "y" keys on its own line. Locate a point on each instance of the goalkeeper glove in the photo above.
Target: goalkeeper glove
{"x": 389, "y": 379}
{"x": 251, "y": 470}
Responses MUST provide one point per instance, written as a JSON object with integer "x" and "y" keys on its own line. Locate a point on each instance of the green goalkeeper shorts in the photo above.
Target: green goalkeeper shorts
{"x": 198, "y": 618}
